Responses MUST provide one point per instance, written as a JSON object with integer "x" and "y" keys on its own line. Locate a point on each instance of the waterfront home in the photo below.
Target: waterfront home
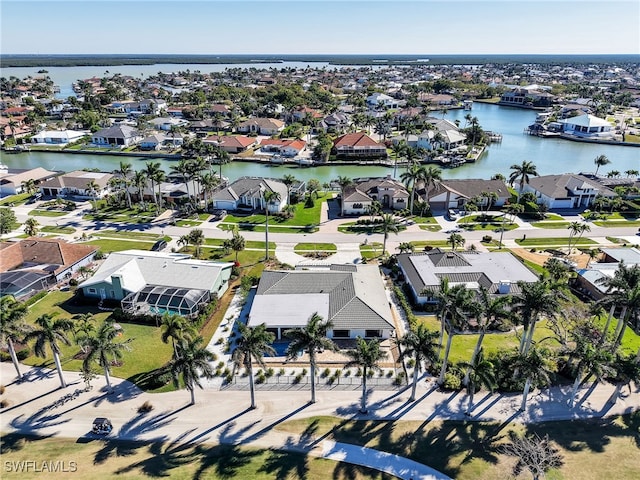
{"x": 167, "y": 123}
{"x": 589, "y": 280}
{"x": 209, "y": 125}
{"x": 438, "y": 99}
{"x": 530, "y": 96}
{"x": 152, "y": 283}
{"x": 336, "y": 122}
{"x": 11, "y": 180}
{"x": 261, "y": 126}
{"x": 381, "y": 100}
{"x": 116, "y": 135}
{"x": 76, "y": 184}
{"x": 286, "y": 148}
{"x": 357, "y": 145}
{"x": 568, "y": 190}
{"x": 35, "y": 264}
{"x": 248, "y": 192}
{"x": 351, "y": 297}
{"x": 498, "y": 272}
{"x": 18, "y": 130}
{"x": 359, "y": 197}
{"x": 59, "y": 137}
{"x": 231, "y": 143}
{"x": 587, "y": 126}
{"x": 452, "y": 193}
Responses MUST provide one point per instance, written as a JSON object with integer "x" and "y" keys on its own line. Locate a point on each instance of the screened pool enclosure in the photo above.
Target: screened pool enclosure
{"x": 157, "y": 300}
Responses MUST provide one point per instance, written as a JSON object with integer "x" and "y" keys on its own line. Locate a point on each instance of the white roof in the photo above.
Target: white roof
{"x": 586, "y": 120}
{"x": 66, "y": 134}
{"x": 276, "y": 310}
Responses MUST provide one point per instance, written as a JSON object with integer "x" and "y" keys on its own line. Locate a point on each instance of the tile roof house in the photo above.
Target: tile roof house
{"x": 589, "y": 280}
{"x": 35, "y": 264}
{"x": 358, "y": 145}
{"x": 157, "y": 282}
{"x": 249, "y": 192}
{"x": 59, "y": 137}
{"x": 364, "y": 191}
{"x": 286, "y": 148}
{"x": 261, "y": 126}
{"x": 498, "y": 272}
{"x": 76, "y": 184}
{"x": 567, "y": 190}
{"x": 353, "y": 297}
{"x": 452, "y": 193}
{"x": 11, "y": 180}
{"x": 116, "y": 135}
{"x": 587, "y": 126}
{"x": 231, "y": 143}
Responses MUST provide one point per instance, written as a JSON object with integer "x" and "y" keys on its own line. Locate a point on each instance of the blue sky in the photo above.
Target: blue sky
{"x": 314, "y": 26}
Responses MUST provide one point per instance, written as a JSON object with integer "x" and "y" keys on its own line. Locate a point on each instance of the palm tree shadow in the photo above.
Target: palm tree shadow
{"x": 226, "y": 460}
{"x": 163, "y": 459}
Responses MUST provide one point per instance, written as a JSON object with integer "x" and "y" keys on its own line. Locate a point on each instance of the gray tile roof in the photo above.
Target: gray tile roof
{"x": 561, "y": 186}
{"x": 471, "y": 187}
{"x": 251, "y": 187}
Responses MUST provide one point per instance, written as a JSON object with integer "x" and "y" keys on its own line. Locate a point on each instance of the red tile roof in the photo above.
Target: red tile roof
{"x": 355, "y": 140}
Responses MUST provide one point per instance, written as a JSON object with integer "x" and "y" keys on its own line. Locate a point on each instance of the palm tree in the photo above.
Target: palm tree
{"x": 221, "y": 158}
{"x": 152, "y": 171}
{"x": 522, "y": 172}
{"x": 183, "y": 169}
{"x": 236, "y": 243}
{"x": 311, "y": 338}
{"x": 388, "y": 224}
{"x": 601, "y": 161}
{"x": 398, "y": 149}
{"x": 49, "y": 332}
{"x": 254, "y": 343}
{"x": 432, "y": 177}
{"x": 411, "y": 177}
{"x": 31, "y": 227}
{"x": 139, "y": 181}
{"x": 29, "y": 185}
{"x": 178, "y": 329}
{"x": 535, "y": 366}
{"x": 344, "y": 182}
{"x": 103, "y": 349}
{"x": 461, "y": 301}
{"x": 269, "y": 197}
{"x": 125, "y": 171}
{"x": 623, "y": 289}
{"x": 480, "y": 372}
{"x": 366, "y": 355}
{"x": 591, "y": 360}
{"x": 421, "y": 345}
{"x": 196, "y": 238}
{"x": 93, "y": 188}
{"x": 208, "y": 183}
{"x": 83, "y": 327}
{"x": 289, "y": 180}
{"x": 12, "y": 326}
{"x": 455, "y": 240}
{"x": 627, "y": 370}
{"x": 192, "y": 362}
{"x": 405, "y": 247}
{"x": 576, "y": 230}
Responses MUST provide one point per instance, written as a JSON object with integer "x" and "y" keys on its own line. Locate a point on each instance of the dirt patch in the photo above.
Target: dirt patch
{"x": 541, "y": 256}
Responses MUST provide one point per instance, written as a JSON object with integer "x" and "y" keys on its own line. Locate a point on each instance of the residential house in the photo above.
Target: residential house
{"x": 167, "y": 123}
{"x": 154, "y": 283}
{"x": 304, "y": 113}
{"x": 336, "y": 122}
{"x": 116, "y": 135}
{"x": 231, "y": 143}
{"x": 389, "y": 192}
{"x": 351, "y": 297}
{"x": 286, "y": 148}
{"x": 590, "y": 280}
{"x": 587, "y": 126}
{"x": 567, "y": 190}
{"x": 498, "y": 272}
{"x": 261, "y": 126}
{"x": 76, "y": 184}
{"x": 59, "y": 137}
{"x": 249, "y": 192}
{"x": 35, "y": 264}
{"x": 528, "y": 97}
{"x": 381, "y": 100}
{"x": 11, "y": 179}
{"x": 452, "y": 193}
{"x": 354, "y": 145}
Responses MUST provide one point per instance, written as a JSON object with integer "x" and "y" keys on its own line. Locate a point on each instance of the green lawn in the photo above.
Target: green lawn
{"x": 188, "y": 223}
{"x": 371, "y": 250}
{"x": 301, "y": 217}
{"x": 110, "y": 458}
{"x": 557, "y": 225}
{"x": 420, "y": 244}
{"x": 127, "y": 234}
{"x": 352, "y": 227}
{"x": 430, "y": 227}
{"x": 312, "y": 247}
{"x": 107, "y": 245}
{"x": 46, "y": 213}
{"x": 552, "y": 241}
{"x": 599, "y": 448}
{"x": 52, "y": 229}
{"x": 619, "y": 223}
{"x": 247, "y": 243}
{"x": 15, "y": 199}
{"x": 277, "y": 228}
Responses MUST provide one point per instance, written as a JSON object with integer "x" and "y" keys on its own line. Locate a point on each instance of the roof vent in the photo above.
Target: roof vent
{"x": 449, "y": 255}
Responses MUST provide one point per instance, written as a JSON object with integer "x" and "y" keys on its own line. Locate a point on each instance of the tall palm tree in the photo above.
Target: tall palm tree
{"x": 29, "y": 185}
{"x": 366, "y": 355}
{"x": 178, "y": 329}
{"x": 103, "y": 348}
{"x": 208, "y": 183}
{"x": 139, "y": 181}
{"x": 627, "y": 370}
{"x": 432, "y": 177}
{"x": 31, "y": 227}
{"x": 601, "y": 161}
{"x": 83, "y": 327}
{"x": 521, "y": 173}
{"x": 221, "y": 157}
{"x": 388, "y": 224}
{"x": 125, "y": 171}
{"x": 269, "y": 197}
{"x": 344, "y": 182}
{"x": 421, "y": 345}
{"x": 455, "y": 240}
{"x": 536, "y": 367}
{"x": 152, "y": 171}
{"x": 481, "y": 374}
{"x": 12, "y": 326}
{"x": 461, "y": 302}
{"x": 196, "y": 238}
{"x": 623, "y": 289}
{"x": 49, "y": 332}
{"x": 398, "y": 149}
{"x": 93, "y": 188}
{"x": 576, "y": 230}
{"x": 253, "y": 344}
{"x": 183, "y": 169}
{"x": 590, "y": 360}
{"x": 289, "y": 180}
{"x": 414, "y": 174}
{"x": 311, "y": 338}
{"x": 236, "y": 243}
{"x": 192, "y": 362}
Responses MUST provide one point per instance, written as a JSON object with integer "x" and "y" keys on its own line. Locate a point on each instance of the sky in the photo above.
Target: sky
{"x": 320, "y": 27}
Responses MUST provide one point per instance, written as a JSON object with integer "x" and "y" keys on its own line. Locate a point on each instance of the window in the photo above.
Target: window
{"x": 373, "y": 333}
{"x": 92, "y": 290}
{"x": 341, "y": 334}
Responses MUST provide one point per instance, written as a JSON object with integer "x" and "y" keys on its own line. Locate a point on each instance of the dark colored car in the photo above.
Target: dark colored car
{"x": 102, "y": 426}
{"x": 159, "y": 245}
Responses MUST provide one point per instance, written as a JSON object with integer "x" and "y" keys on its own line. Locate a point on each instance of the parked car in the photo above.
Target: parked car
{"x": 101, "y": 426}
{"x": 451, "y": 214}
{"x": 159, "y": 245}
{"x": 217, "y": 215}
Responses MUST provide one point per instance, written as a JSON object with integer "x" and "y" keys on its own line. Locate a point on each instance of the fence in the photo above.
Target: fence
{"x": 299, "y": 382}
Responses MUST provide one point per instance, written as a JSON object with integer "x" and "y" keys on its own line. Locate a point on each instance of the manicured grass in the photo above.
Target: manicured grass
{"x": 247, "y": 258}
{"x": 128, "y": 234}
{"x": 15, "y": 199}
{"x": 420, "y": 244}
{"x": 489, "y": 226}
{"x": 188, "y": 223}
{"x": 248, "y": 243}
{"x": 613, "y": 223}
{"x": 600, "y": 448}
{"x": 371, "y": 250}
{"x": 312, "y": 247}
{"x": 108, "y": 245}
{"x": 352, "y": 227}
{"x": 552, "y": 241}
{"x": 278, "y": 228}
{"x": 109, "y": 458}
{"x": 534, "y": 267}
{"x": 301, "y": 217}
{"x": 46, "y": 213}
{"x": 52, "y": 229}
{"x": 550, "y": 224}
{"x": 431, "y": 227}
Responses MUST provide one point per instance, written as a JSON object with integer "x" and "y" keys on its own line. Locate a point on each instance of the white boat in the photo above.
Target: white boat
{"x": 276, "y": 159}
{"x": 305, "y": 161}
{"x": 468, "y": 104}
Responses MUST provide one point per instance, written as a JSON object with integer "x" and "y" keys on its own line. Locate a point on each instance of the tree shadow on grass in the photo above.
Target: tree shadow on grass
{"x": 14, "y": 442}
{"x": 283, "y": 465}
{"x": 349, "y": 471}
{"x": 224, "y": 460}
{"x": 164, "y": 458}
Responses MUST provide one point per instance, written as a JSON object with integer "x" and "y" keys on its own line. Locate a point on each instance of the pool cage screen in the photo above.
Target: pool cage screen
{"x": 157, "y": 300}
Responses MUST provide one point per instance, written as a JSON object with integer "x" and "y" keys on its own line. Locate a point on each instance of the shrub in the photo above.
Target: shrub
{"x": 2, "y": 389}
{"x": 73, "y": 282}
{"x": 220, "y": 364}
{"x": 400, "y": 379}
{"x": 347, "y": 373}
{"x": 452, "y": 381}
{"x": 326, "y": 372}
{"x": 228, "y": 378}
{"x": 281, "y": 372}
{"x": 304, "y": 371}
{"x": 23, "y": 354}
{"x": 99, "y": 255}
{"x": 411, "y": 363}
{"x": 35, "y": 298}
{"x": 4, "y": 404}
{"x": 260, "y": 377}
{"x": 297, "y": 379}
{"x": 487, "y": 238}
{"x": 390, "y": 374}
{"x": 146, "y": 407}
